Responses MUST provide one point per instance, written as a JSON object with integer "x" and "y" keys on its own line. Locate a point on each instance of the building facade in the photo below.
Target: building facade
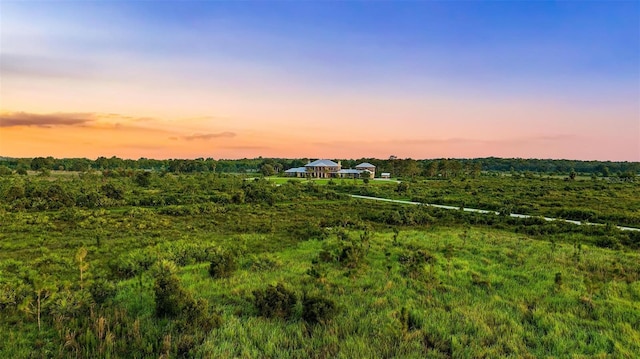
{"x": 329, "y": 169}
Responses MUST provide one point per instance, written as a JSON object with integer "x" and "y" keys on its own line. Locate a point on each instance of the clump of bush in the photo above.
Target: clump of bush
{"x": 222, "y": 265}
{"x": 317, "y": 309}
{"x": 263, "y": 262}
{"x": 173, "y": 301}
{"x": 102, "y": 290}
{"x": 413, "y": 262}
{"x": 347, "y": 251}
{"x": 171, "y": 297}
{"x": 275, "y": 301}
{"x": 196, "y": 314}
{"x": 193, "y": 317}
{"x": 309, "y": 231}
{"x": 178, "y": 210}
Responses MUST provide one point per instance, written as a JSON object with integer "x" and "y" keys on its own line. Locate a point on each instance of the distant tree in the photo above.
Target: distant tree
{"x": 15, "y": 192}
{"x": 143, "y": 179}
{"x": 5, "y": 171}
{"x": 627, "y": 176}
{"x": 402, "y": 187}
{"x": 112, "y": 191}
{"x": 40, "y": 163}
{"x": 572, "y": 174}
{"x": 267, "y": 170}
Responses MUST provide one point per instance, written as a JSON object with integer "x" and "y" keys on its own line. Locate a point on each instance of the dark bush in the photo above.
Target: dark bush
{"x": 102, "y": 290}
{"x": 196, "y": 313}
{"x": 413, "y": 261}
{"x": 607, "y": 242}
{"x": 223, "y": 264}
{"x": 178, "y": 211}
{"x": 171, "y": 298}
{"x": 275, "y": 301}
{"x": 111, "y": 191}
{"x": 263, "y": 262}
{"x": 316, "y": 309}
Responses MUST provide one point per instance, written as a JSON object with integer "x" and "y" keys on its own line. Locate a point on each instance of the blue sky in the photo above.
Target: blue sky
{"x": 495, "y": 76}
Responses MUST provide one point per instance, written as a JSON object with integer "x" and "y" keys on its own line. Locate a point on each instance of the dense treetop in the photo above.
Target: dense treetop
{"x": 398, "y": 167}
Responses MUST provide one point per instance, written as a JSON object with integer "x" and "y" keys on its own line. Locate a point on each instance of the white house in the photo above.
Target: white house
{"x": 363, "y": 167}
{"x": 329, "y": 169}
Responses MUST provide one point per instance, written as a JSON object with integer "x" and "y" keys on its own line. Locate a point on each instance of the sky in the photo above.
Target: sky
{"x": 320, "y": 79}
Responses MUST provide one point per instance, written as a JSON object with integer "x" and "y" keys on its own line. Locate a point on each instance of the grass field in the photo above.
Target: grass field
{"x": 217, "y": 266}
{"x": 324, "y": 181}
{"x": 481, "y": 293}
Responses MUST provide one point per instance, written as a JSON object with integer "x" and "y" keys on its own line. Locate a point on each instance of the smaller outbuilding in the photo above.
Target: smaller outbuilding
{"x": 386, "y": 175}
{"x": 366, "y": 167}
{"x": 296, "y": 172}
{"x": 348, "y": 173}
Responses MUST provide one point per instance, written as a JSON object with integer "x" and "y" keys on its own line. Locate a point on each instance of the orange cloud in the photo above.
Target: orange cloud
{"x": 209, "y": 136}
{"x": 15, "y": 119}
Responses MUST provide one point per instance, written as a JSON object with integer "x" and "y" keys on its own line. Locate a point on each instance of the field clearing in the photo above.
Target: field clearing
{"x": 483, "y": 293}
{"x": 190, "y": 265}
{"x": 328, "y": 181}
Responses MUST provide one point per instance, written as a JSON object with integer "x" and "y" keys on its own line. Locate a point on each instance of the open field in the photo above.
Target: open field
{"x": 597, "y": 200}
{"x": 335, "y": 181}
{"x": 189, "y": 266}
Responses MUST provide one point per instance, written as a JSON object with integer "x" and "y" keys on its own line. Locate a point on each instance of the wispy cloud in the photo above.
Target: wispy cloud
{"x": 16, "y": 119}
{"x": 77, "y": 119}
{"x": 210, "y": 136}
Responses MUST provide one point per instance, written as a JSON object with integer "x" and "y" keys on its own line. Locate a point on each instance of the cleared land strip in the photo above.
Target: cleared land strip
{"x": 488, "y": 212}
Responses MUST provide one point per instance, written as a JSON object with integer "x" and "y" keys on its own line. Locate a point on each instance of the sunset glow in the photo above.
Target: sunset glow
{"x": 320, "y": 79}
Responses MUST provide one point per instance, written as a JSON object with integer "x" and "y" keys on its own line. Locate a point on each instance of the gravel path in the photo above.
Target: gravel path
{"x": 488, "y": 212}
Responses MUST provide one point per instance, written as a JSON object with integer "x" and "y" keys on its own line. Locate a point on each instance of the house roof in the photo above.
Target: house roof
{"x": 322, "y": 163}
{"x": 349, "y": 171}
{"x": 365, "y": 165}
{"x": 296, "y": 170}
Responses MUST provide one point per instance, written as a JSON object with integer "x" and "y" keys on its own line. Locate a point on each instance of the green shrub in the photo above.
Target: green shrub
{"x": 102, "y": 290}
{"x": 178, "y": 210}
{"x": 196, "y": 313}
{"x": 275, "y": 301}
{"x": 170, "y": 297}
{"x": 347, "y": 251}
{"x": 413, "y": 261}
{"x": 607, "y": 242}
{"x": 317, "y": 309}
{"x": 223, "y": 264}
{"x": 263, "y": 262}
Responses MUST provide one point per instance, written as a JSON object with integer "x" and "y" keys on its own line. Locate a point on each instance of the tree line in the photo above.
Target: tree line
{"x": 444, "y": 167}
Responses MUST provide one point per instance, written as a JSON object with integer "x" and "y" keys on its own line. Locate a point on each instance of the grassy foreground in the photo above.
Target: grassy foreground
{"x": 210, "y": 266}
{"x": 479, "y": 293}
